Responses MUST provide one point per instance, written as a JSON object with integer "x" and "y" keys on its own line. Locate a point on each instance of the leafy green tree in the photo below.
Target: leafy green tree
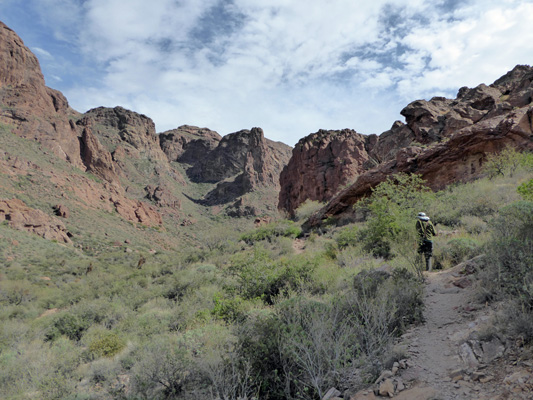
{"x": 392, "y": 207}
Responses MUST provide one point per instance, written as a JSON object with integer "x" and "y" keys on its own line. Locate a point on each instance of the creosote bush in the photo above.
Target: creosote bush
{"x": 508, "y": 273}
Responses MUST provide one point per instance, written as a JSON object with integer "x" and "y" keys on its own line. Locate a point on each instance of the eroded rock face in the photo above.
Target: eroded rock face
{"x": 445, "y": 140}
{"x": 118, "y": 126}
{"x": 457, "y": 160}
{"x": 188, "y": 144}
{"x": 162, "y": 196}
{"x": 95, "y": 157}
{"x": 36, "y": 111}
{"x": 320, "y": 164}
{"x": 136, "y": 211}
{"x": 242, "y": 162}
{"x": 24, "y": 218}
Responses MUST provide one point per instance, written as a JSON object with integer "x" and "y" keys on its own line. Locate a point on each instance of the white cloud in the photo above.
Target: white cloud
{"x": 289, "y": 66}
{"x": 41, "y": 52}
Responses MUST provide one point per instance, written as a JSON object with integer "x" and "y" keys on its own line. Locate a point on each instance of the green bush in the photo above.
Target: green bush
{"x": 347, "y": 237}
{"x": 259, "y": 276}
{"x": 460, "y": 249}
{"x": 508, "y": 273}
{"x": 106, "y": 344}
{"x": 268, "y": 232}
{"x": 71, "y": 325}
{"x": 393, "y": 207}
{"x": 526, "y": 190}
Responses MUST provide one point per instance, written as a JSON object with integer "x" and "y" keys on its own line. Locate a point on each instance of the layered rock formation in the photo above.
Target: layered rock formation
{"x": 188, "y": 144}
{"x": 460, "y": 133}
{"x": 136, "y": 165}
{"x": 36, "y": 111}
{"x": 21, "y": 217}
{"x": 321, "y": 163}
{"x": 242, "y": 162}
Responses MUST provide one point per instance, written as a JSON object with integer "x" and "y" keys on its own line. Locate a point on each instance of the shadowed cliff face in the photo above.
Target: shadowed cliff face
{"x": 456, "y": 136}
{"x": 36, "y": 111}
{"x": 188, "y": 144}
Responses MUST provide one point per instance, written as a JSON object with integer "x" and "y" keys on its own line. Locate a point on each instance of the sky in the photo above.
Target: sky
{"x": 291, "y": 67}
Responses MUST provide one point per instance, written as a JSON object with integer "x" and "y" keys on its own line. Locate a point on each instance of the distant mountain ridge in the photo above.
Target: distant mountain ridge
{"x": 122, "y": 147}
{"x": 148, "y": 177}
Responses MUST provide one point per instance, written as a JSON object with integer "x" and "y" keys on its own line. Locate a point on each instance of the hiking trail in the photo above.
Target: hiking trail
{"x": 451, "y": 356}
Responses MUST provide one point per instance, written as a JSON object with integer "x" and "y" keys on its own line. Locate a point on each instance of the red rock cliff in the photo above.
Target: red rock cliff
{"x": 36, "y": 111}
{"x": 460, "y": 134}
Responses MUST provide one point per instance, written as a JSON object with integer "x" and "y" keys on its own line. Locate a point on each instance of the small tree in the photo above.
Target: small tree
{"x": 392, "y": 206}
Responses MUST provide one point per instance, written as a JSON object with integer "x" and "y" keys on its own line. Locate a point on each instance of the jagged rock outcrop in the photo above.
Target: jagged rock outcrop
{"x": 119, "y": 127}
{"x": 36, "y": 111}
{"x": 242, "y": 162}
{"x": 428, "y": 125}
{"x": 444, "y": 140}
{"x": 458, "y": 159}
{"x": 21, "y": 217}
{"x": 131, "y": 141}
{"x": 94, "y": 156}
{"x": 321, "y": 163}
{"x": 188, "y": 144}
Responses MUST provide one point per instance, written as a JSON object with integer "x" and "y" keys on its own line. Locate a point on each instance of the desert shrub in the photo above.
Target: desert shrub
{"x": 505, "y": 163}
{"x": 69, "y": 324}
{"x": 508, "y": 268}
{"x": 473, "y": 225}
{"x": 526, "y": 190}
{"x": 510, "y": 251}
{"x": 258, "y": 344}
{"x": 284, "y": 228}
{"x": 306, "y": 209}
{"x": 163, "y": 369}
{"x": 104, "y": 343}
{"x": 229, "y": 308}
{"x": 351, "y": 258}
{"x": 230, "y": 377}
{"x": 517, "y": 321}
{"x": 259, "y": 276}
{"x": 16, "y": 292}
{"x": 460, "y": 249}
{"x": 347, "y": 237}
{"x": 392, "y": 206}
{"x": 317, "y": 343}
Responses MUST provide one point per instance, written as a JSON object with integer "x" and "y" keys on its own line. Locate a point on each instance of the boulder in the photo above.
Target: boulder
{"x": 331, "y": 394}
{"x": 61, "y": 211}
{"x": 386, "y": 388}
{"x": 162, "y": 196}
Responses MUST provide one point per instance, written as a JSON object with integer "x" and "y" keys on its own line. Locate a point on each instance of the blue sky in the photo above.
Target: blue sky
{"x": 291, "y": 67}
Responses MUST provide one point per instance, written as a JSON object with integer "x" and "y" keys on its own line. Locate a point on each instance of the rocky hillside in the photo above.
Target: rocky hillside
{"x": 143, "y": 176}
{"x": 35, "y": 111}
{"x": 444, "y": 140}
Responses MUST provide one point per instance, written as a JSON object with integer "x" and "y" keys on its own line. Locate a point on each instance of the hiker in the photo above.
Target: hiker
{"x": 426, "y": 231}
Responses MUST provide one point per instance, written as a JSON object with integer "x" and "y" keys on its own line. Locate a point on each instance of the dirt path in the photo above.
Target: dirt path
{"x": 298, "y": 245}
{"x": 448, "y": 358}
{"x": 433, "y": 348}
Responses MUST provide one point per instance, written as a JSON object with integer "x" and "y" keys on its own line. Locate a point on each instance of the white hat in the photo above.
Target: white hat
{"x": 422, "y": 216}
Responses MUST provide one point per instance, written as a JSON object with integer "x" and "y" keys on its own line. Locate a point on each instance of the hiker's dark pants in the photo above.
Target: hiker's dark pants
{"x": 426, "y": 248}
